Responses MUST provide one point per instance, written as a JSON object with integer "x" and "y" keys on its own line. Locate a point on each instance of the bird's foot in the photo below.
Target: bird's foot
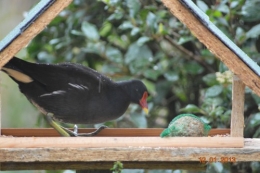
{"x": 69, "y": 133}
{"x": 76, "y": 134}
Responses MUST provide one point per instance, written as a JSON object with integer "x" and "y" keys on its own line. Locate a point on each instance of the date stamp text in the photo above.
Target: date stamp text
{"x": 204, "y": 160}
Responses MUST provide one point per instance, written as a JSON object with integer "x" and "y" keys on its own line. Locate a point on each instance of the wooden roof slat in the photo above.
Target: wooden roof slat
{"x": 34, "y": 13}
{"x": 39, "y": 17}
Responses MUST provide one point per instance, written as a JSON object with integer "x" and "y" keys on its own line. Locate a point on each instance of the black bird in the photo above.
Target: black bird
{"x": 73, "y": 93}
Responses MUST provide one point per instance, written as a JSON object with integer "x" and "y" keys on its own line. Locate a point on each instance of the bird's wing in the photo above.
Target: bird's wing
{"x": 54, "y": 76}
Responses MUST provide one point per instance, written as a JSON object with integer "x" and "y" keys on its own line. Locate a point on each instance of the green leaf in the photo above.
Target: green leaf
{"x": 210, "y": 79}
{"x": 250, "y": 11}
{"x": 254, "y": 32}
{"x": 151, "y": 20}
{"x": 90, "y": 31}
{"x": 150, "y": 86}
{"x": 126, "y": 25}
{"x": 234, "y": 4}
{"x": 152, "y": 74}
{"x": 218, "y": 111}
{"x": 106, "y": 29}
{"x": 135, "y": 51}
{"x": 116, "y": 16}
{"x": 256, "y": 98}
{"x": 212, "y": 102}
{"x": 223, "y": 8}
{"x": 110, "y": 69}
{"x": 217, "y": 14}
{"x": 161, "y": 29}
{"x": 214, "y": 91}
{"x": 193, "y": 68}
{"x": 135, "y": 31}
{"x": 143, "y": 40}
{"x": 190, "y": 108}
{"x": 134, "y": 7}
{"x": 185, "y": 39}
{"x": 114, "y": 54}
{"x": 171, "y": 76}
{"x": 116, "y": 40}
{"x": 255, "y": 121}
{"x": 75, "y": 32}
{"x": 202, "y": 5}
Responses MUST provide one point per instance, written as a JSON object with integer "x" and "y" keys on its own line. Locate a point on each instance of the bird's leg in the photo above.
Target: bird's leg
{"x": 61, "y": 130}
{"x": 75, "y": 131}
{"x": 66, "y": 132}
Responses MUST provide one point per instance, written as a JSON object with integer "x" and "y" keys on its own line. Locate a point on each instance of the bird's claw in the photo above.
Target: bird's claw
{"x": 75, "y": 133}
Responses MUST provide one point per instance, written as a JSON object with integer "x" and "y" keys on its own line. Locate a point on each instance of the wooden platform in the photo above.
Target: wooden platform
{"x": 126, "y": 145}
{"x": 24, "y": 149}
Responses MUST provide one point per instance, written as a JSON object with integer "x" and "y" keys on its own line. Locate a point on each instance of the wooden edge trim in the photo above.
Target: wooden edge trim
{"x": 112, "y": 142}
{"x": 112, "y": 132}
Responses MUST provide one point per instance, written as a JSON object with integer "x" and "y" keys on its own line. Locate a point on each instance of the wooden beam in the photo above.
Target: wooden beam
{"x": 238, "y": 101}
{"x": 108, "y": 142}
{"x": 35, "y": 28}
{"x": 113, "y": 132}
{"x": 195, "y": 166}
{"x": 250, "y": 152}
{"x": 228, "y": 57}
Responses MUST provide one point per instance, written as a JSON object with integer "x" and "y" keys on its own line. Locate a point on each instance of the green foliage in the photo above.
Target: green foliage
{"x": 141, "y": 39}
{"x": 117, "y": 167}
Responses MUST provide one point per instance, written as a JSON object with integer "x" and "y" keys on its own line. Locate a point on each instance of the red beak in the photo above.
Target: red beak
{"x": 143, "y": 103}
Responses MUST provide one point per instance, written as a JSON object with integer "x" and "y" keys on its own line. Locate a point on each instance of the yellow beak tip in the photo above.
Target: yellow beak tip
{"x": 146, "y": 111}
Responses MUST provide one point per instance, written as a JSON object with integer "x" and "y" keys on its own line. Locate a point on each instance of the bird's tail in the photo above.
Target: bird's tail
{"x": 13, "y": 69}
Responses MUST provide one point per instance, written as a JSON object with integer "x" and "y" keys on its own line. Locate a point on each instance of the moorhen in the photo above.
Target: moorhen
{"x": 73, "y": 93}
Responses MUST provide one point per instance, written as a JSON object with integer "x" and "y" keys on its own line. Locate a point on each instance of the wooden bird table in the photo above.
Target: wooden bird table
{"x": 43, "y": 149}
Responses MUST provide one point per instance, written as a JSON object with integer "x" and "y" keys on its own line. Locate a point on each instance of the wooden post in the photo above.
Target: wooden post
{"x": 0, "y": 110}
{"x": 237, "y": 115}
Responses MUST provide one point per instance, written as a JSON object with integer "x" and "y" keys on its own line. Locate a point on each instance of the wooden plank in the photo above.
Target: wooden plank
{"x": 238, "y": 101}
{"x": 36, "y": 27}
{"x": 250, "y": 152}
{"x": 195, "y": 166}
{"x": 228, "y": 57}
{"x": 108, "y": 142}
{"x": 113, "y": 132}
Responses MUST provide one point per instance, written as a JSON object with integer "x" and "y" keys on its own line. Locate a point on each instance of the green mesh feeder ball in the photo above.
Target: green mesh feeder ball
{"x": 186, "y": 125}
